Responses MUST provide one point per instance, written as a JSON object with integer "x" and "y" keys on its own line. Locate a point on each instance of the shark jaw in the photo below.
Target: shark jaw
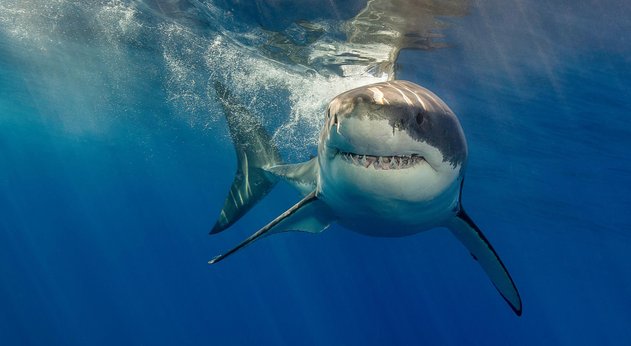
{"x": 387, "y": 177}
{"x": 347, "y": 176}
{"x": 391, "y": 162}
{"x": 363, "y": 161}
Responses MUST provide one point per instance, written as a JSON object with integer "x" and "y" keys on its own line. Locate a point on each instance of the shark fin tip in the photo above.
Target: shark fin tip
{"x": 216, "y": 229}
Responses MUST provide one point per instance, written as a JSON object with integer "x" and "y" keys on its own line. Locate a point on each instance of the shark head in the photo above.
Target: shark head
{"x": 392, "y": 139}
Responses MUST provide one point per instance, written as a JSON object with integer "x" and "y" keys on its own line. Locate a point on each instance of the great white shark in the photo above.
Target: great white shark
{"x": 391, "y": 163}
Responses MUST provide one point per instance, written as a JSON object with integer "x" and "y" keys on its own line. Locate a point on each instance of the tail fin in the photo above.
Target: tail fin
{"x": 255, "y": 151}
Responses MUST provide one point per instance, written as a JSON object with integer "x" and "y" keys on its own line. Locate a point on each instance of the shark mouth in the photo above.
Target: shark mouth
{"x": 382, "y": 162}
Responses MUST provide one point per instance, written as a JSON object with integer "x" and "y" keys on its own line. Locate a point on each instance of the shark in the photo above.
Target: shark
{"x": 390, "y": 163}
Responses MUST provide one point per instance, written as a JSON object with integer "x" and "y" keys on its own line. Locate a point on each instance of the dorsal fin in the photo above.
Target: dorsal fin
{"x": 255, "y": 151}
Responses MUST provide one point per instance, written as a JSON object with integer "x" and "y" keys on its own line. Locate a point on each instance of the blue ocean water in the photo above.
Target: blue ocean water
{"x": 115, "y": 160}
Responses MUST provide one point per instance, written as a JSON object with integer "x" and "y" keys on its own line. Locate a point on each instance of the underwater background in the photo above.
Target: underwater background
{"x": 115, "y": 160}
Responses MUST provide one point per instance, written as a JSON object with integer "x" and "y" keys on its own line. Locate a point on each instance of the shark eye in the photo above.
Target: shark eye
{"x": 420, "y": 117}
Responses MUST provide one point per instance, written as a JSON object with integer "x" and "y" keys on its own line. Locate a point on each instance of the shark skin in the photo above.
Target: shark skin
{"x": 391, "y": 162}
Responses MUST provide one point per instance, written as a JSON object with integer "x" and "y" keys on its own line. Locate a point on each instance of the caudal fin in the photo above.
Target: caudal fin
{"x": 255, "y": 151}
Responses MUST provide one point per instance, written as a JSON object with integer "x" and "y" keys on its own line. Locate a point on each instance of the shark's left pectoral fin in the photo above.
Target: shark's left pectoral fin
{"x": 474, "y": 240}
{"x": 309, "y": 215}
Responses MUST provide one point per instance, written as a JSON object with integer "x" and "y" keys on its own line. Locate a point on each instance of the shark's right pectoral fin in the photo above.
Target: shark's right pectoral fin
{"x": 309, "y": 215}
{"x": 474, "y": 240}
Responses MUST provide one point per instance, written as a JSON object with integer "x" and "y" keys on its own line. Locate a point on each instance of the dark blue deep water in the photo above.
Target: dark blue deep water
{"x": 115, "y": 160}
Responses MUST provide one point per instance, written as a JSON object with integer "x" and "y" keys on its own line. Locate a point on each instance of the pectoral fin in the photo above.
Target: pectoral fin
{"x": 308, "y": 215}
{"x": 474, "y": 240}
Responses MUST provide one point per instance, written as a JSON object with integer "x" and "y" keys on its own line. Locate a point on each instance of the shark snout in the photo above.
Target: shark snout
{"x": 367, "y": 136}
